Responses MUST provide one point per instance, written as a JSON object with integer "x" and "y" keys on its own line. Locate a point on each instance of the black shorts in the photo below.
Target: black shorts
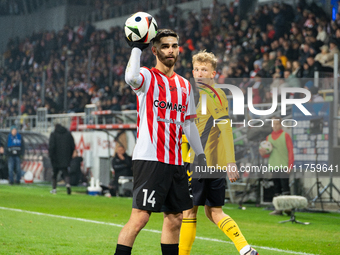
{"x": 210, "y": 192}
{"x": 160, "y": 187}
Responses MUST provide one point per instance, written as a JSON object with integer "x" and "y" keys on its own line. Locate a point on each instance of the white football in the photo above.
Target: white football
{"x": 141, "y": 27}
{"x": 267, "y": 146}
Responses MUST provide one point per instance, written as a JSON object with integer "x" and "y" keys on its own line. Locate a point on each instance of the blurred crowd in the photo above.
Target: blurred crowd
{"x": 105, "y": 9}
{"x": 274, "y": 46}
{"x": 11, "y": 7}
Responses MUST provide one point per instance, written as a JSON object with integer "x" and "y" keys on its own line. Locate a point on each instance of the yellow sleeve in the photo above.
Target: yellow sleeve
{"x": 185, "y": 148}
{"x": 184, "y": 139}
{"x": 220, "y": 112}
{"x": 190, "y": 158}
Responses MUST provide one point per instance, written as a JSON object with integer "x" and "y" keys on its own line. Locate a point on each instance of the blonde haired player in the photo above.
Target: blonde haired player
{"x": 218, "y": 145}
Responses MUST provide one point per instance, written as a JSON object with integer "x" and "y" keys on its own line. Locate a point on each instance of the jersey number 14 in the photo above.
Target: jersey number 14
{"x": 151, "y": 199}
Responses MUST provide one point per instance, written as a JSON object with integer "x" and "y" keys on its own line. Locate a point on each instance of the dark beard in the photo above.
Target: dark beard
{"x": 167, "y": 62}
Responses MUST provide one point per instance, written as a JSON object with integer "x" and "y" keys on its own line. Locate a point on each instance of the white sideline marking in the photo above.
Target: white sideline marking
{"x": 148, "y": 230}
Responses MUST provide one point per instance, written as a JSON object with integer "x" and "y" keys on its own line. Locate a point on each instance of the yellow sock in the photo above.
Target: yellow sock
{"x": 230, "y": 228}
{"x": 187, "y": 236}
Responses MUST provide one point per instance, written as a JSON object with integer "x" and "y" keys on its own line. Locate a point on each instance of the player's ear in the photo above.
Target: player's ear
{"x": 154, "y": 50}
{"x": 213, "y": 74}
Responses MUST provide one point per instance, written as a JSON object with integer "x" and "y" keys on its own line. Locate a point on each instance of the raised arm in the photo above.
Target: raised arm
{"x": 132, "y": 74}
{"x": 133, "y": 77}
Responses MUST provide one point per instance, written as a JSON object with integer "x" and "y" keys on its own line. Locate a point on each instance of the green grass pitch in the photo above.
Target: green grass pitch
{"x": 83, "y": 224}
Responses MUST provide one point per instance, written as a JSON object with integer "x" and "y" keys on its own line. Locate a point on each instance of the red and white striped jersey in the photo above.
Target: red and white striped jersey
{"x": 163, "y": 104}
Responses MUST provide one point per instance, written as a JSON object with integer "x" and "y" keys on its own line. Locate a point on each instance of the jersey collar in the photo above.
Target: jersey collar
{"x": 278, "y": 132}
{"x": 157, "y": 71}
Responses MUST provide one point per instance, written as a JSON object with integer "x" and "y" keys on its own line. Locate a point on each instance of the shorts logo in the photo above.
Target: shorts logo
{"x": 169, "y": 106}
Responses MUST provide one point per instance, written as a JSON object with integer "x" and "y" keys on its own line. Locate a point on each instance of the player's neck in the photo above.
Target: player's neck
{"x": 211, "y": 84}
{"x": 168, "y": 71}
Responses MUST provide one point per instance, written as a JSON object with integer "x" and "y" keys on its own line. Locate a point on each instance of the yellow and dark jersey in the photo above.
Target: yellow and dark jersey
{"x": 217, "y": 139}
{"x": 185, "y": 148}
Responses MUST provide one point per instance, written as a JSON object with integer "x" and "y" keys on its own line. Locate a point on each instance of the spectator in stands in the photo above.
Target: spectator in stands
{"x": 258, "y": 90}
{"x": 304, "y": 53}
{"x": 296, "y": 69}
{"x": 291, "y": 80}
{"x": 269, "y": 64}
{"x": 287, "y": 50}
{"x": 296, "y": 34}
{"x": 60, "y": 149}
{"x": 336, "y": 38}
{"x": 313, "y": 66}
{"x": 278, "y": 68}
{"x": 15, "y": 150}
{"x": 324, "y": 58}
{"x": 89, "y": 29}
{"x": 315, "y": 45}
{"x": 306, "y": 71}
{"x": 316, "y": 97}
{"x": 268, "y": 98}
{"x": 282, "y": 57}
{"x": 295, "y": 50}
{"x": 115, "y": 106}
{"x": 333, "y": 49}
{"x": 257, "y": 68}
{"x": 322, "y": 35}
{"x": 279, "y": 22}
{"x": 270, "y": 32}
{"x": 278, "y": 83}
{"x": 289, "y": 65}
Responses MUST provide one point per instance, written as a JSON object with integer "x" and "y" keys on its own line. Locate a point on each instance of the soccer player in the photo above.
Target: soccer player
{"x": 165, "y": 106}
{"x": 218, "y": 145}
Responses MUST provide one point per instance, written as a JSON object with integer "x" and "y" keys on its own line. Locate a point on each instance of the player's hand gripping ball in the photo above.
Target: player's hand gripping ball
{"x": 267, "y": 146}
{"x": 141, "y": 27}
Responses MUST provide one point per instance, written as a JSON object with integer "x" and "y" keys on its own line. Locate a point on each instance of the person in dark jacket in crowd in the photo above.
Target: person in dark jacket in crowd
{"x": 60, "y": 150}
{"x": 15, "y": 149}
{"x": 121, "y": 164}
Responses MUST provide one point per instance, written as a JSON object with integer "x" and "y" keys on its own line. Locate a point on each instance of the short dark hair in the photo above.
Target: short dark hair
{"x": 165, "y": 32}
{"x": 314, "y": 90}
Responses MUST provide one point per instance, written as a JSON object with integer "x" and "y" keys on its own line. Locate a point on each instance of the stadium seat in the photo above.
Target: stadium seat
{"x": 290, "y": 203}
